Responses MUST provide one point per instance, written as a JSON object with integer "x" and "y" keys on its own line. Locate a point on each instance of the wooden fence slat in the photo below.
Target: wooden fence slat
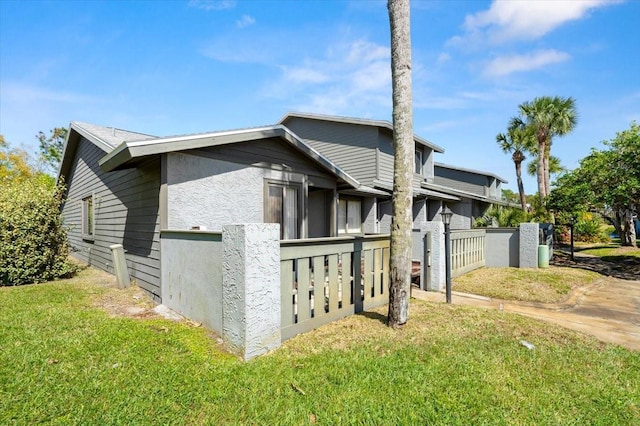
{"x": 287, "y": 314}
{"x": 367, "y": 273}
{"x": 318, "y": 286}
{"x": 346, "y": 275}
{"x": 377, "y": 271}
{"x": 304, "y": 286}
{"x": 334, "y": 284}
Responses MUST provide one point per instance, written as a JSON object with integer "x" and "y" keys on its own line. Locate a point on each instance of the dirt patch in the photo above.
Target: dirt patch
{"x": 131, "y": 302}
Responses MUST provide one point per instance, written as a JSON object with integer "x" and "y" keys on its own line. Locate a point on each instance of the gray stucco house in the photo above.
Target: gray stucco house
{"x": 317, "y": 176}
{"x": 125, "y": 187}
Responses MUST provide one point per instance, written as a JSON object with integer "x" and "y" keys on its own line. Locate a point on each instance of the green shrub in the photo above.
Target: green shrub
{"x": 588, "y": 228}
{"x": 501, "y": 216}
{"x": 33, "y": 241}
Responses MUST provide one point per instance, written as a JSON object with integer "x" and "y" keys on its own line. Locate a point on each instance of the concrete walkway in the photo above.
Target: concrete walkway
{"x": 608, "y": 309}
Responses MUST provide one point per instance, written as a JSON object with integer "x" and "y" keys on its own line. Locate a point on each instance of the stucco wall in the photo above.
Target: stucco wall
{"x": 207, "y": 192}
{"x": 192, "y": 275}
{"x": 502, "y": 247}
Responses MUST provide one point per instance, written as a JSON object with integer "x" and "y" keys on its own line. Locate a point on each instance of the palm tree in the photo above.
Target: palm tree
{"x": 555, "y": 166}
{"x": 518, "y": 140}
{"x": 549, "y": 116}
{"x": 404, "y": 147}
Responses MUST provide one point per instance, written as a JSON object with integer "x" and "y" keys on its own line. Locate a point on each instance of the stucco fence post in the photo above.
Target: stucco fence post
{"x": 528, "y": 249}
{"x": 436, "y": 281}
{"x": 251, "y": 288}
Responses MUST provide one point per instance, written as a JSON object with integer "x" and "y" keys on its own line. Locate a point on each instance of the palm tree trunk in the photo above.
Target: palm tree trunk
{"x": 404, "y": 146}
{"x": 547, "y": 183}
{"x": 542, "y": 193}
{"x": 523, "y": 196}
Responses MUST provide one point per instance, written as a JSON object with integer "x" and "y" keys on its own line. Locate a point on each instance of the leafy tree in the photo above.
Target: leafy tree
{"x": 404, "y": 146}
{"x": 510, "y": 196}
{"x": 14, "y": 163}
{"x": 33, "y": 241}
{"x": 51, "y": 147}
{"x": 518, "y": 140}
{"x": 549, "y": 116}
{"x": 608, "y": 181}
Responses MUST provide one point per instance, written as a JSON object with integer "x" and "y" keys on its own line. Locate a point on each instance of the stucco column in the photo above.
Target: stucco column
{"x": 437, "y": 271}
{"x": 251, "y": 287}
{"x": 529, "y": 245}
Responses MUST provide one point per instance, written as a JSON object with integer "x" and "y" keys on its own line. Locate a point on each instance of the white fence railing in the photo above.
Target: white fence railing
{"x": 323, "y": 280}
{"x": 467, "y": 251}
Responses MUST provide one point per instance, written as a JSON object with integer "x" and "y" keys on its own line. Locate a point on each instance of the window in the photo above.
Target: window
{"x": 418, "y": 161}
{"x": 283, "y": 206}
{"x": 349, "y": 216}
{"x": 88, "y": 217}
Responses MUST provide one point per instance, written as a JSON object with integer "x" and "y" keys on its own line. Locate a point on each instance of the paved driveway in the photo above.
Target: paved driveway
{"x": 608, "y": 309}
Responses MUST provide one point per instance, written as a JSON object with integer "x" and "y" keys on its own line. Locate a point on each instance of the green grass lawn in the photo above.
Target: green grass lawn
{"x": 550, "y": 285}
{"x": 64, "y": 360}
{"x": 613, "y": 253}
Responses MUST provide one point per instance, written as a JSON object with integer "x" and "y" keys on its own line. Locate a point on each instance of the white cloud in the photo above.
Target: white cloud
{"x": 28, "y": 94}
{"x": 505, "y": 65}
{"x": 245, "y": 21}
{"x": 304, "y": 75}
{"x": 443, "y": 58}
{"x": 212, "y": 4}
{"x": 353, "y": 75}
{"x": 524, "y": 20}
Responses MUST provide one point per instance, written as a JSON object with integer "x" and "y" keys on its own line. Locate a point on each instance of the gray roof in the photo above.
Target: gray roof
{"x": 463, "y": 194}
{"x": 417, "y": 192}
{"x": 476, "y": 172}
{"x": 129, "y": 151}
{"x": 359, "y": 121}
{"x": 111, "y": 136}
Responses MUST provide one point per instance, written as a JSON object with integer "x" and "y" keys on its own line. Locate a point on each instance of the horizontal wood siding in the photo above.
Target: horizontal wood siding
{"x": 351, "y": 146}
{"x": 126, "y": 205}
{"x": 463, "y": 181}
{"x": 270, "y": 152}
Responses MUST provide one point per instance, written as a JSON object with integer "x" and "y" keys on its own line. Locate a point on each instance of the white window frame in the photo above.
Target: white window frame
{"x": 88, "y": 218}
{"x": 352, "y": 208}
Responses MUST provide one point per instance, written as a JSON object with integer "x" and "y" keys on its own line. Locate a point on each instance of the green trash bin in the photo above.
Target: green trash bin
{"x": 543, "y": 256}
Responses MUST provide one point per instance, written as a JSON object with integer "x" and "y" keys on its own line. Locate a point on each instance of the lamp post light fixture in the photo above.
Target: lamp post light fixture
{"x": 446, "y": 215}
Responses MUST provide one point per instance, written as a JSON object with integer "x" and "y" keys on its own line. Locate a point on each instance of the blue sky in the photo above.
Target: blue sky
{"x": 176, "y": 67}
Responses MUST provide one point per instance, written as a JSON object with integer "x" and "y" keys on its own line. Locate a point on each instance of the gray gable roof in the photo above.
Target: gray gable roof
{"x": 109, "y": 136}
{"x": 128, "y": 151}
{"x": 105, "y": 138}
{"x": 358, "y": 121}
{"x": 123, "y": 147}
{"x": 475, "y": 172}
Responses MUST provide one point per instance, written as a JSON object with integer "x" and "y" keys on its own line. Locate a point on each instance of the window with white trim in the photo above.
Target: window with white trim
{"x": 283, "y": 206}
{"x": 88, "y": 217}
{"x": 349, "y": 216}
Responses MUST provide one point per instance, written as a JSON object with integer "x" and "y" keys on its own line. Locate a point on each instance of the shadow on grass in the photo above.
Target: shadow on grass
{"x": 617, "y": 266}
{"x": 374, "y": 316}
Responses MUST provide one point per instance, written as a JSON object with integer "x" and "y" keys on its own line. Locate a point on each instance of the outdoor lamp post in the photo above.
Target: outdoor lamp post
{"x": 572, "y": 222}
{"x": 446, "y": 214}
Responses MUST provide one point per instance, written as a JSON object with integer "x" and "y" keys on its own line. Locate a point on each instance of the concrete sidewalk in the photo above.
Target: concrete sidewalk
{"x": 608, "y": 309}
